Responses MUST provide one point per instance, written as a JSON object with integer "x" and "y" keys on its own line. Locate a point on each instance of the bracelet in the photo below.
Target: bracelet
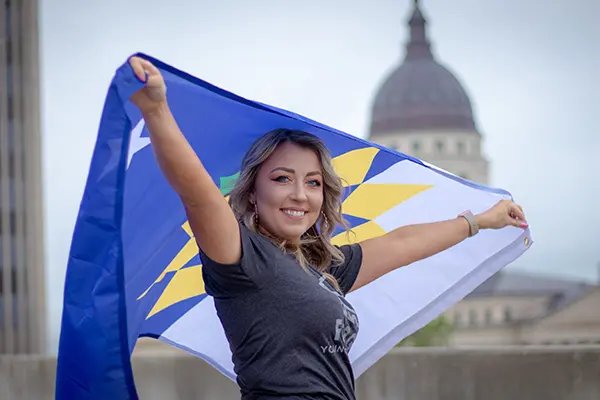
{"x": 473, "y": 227}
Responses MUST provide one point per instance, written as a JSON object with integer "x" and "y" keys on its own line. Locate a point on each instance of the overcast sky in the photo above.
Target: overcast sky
{"x": 530, "y": 68}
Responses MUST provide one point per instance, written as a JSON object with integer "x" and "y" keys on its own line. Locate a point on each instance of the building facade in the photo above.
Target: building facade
{"x": 22, "y": 312}
{"x": 520, "y": 309}
{"x": 422, "y": 110}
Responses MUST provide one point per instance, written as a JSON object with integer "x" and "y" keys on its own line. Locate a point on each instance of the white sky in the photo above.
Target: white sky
{"x": 529, "y": 66}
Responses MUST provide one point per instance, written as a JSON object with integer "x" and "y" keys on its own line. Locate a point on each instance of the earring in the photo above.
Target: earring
{"x": 255, "y": 215}
{"x": 325, "y": 220}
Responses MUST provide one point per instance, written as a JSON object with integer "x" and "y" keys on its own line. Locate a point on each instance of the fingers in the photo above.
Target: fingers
{"x": 516, "y": 212}
{"x": 142, "y": 68}
{"x": 138, "y": 69}
{"x": 517, "y": 216}
{"x": 522, "y": 212}
{"x": 518, "y": 223}
{"x": 150, "y": 68}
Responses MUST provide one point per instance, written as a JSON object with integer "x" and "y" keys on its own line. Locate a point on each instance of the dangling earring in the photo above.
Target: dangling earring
{"x": 325, "y": 220}
{"x": 255, "y": 215}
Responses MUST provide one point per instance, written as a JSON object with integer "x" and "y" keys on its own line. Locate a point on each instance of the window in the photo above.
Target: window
{"x": 393, "y": 145}
{"x": 460, "y": 147}
{"x": 457, "y": 319}
{"x": 489, "y": 317}
{"x": 9, "y": 78}
{"x": 416, "y": 146}
{"x": 472, "y": 317}
{"x": 11, "y": 139}
{"x": 13, "y": 281}
{"x": 439, "y": 146}
{"x": 15, "y": 310}
{"x": 10, "y": 107}
{"x": 7, "y": 18}
{"x": 12, "y": 218}
{"x": 507, "y": 315}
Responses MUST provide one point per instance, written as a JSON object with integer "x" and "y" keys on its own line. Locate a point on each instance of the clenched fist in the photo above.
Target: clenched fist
{"x": 151, "y": 96}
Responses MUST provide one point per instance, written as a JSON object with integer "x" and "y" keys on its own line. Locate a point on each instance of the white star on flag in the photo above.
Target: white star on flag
{"x": 136, "y": 141}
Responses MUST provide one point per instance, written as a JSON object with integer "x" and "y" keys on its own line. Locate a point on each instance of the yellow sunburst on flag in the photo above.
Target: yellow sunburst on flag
{"x": 366, "y": 202}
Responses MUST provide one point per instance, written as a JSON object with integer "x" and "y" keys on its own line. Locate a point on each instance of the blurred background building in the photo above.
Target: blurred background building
{"x": 421, "y": 109}
{"x": 518, "y": 309}
{"x": 22, "y": 302}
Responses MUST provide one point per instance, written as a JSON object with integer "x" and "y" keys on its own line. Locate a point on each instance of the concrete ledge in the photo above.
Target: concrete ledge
{"x": 520, "y": 373}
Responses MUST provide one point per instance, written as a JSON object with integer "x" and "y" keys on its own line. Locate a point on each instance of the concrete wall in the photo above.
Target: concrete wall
{"x": 565, "y": 373}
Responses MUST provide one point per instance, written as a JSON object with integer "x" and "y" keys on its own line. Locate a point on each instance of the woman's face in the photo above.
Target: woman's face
{"x": 288, "y": 191}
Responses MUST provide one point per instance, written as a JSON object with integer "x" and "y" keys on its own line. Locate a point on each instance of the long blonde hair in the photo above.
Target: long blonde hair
{"x": 315, "y": 247}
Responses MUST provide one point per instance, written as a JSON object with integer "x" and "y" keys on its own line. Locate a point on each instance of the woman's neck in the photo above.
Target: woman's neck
{"x": 288, "y": 244}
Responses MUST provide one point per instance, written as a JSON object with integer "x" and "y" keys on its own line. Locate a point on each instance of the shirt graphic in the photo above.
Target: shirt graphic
{"x": 346, "y": 328}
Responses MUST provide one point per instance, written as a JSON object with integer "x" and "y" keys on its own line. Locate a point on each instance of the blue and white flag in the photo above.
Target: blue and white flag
{"x": 134, "y": 268}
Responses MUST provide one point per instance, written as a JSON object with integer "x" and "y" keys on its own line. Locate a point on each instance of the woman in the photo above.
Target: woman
{"x": 277, "y": 281}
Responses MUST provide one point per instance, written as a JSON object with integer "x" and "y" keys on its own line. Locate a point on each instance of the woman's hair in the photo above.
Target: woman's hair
{"x": 315, "y": 246}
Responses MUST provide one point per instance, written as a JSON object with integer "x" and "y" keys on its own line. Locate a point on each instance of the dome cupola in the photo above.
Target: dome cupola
{"x": 420, "y": 94}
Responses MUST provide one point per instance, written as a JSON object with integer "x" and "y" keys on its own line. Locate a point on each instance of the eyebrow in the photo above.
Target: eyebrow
{"x": 291, "y": 171}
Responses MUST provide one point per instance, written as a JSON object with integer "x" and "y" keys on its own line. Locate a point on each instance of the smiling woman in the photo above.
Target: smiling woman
{"x": 286, "y": 194}
{"x": 289, "y": 191}
{"x": 278, "y": 282}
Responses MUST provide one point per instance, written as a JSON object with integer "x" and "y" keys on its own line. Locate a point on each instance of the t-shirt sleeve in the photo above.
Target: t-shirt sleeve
{"x": 231, "y": 280}
{"x": 347, "y": 272}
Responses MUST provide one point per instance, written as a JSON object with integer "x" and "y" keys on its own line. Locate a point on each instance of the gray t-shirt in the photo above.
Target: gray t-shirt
{"x": 289, "y": 331}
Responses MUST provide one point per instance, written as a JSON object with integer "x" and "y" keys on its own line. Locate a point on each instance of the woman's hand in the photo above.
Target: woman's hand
{"x": 504, "y": 213}
{"x": 154, "y": 94}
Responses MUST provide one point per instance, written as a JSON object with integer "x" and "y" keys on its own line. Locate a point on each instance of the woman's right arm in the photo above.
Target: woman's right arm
{"x": 211, "y": 218}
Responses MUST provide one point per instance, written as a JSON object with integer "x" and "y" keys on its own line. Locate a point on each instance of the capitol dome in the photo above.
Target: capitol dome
{"x": 420, "y": 94}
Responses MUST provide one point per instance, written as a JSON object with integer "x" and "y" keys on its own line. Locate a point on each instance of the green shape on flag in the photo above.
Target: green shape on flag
{"x": 227, "y": 183}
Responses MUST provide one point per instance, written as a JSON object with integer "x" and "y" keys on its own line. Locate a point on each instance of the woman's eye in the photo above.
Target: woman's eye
{"x": 282, "y": 179}
{"x": 314, "y": 183}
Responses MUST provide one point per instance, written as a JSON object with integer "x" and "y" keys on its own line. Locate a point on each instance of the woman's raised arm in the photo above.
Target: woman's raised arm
{"x": 211, "y": 218}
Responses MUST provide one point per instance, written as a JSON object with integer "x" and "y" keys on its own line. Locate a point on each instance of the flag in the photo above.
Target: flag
{"x": 134, "y": 269}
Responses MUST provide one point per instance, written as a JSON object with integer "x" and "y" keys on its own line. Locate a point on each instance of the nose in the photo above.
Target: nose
{"x": 299, "y": 192}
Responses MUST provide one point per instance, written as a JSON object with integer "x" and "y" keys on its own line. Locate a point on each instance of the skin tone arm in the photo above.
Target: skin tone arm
{"x": 411, "y": 243}
{"x": 211, "y": 219}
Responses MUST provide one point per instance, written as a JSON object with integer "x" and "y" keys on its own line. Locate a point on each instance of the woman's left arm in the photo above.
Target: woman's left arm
{"x": 411, "y": 243}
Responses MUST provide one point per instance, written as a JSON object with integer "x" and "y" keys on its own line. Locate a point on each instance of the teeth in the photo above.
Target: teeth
{"x": 294, "y": 213}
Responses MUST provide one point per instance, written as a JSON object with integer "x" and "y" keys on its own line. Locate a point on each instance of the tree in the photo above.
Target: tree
{"x": 436, "y": 333}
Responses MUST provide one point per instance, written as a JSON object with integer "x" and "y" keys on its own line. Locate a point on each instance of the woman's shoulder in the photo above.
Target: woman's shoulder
{"x": 347, "y": 270}
{"x": 252, "y": 271}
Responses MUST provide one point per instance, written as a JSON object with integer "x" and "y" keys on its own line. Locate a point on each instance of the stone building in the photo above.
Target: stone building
{"x": 421, "y": 109}
{"x": 518, "y": 309}
{"x": 22, "y": 299}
